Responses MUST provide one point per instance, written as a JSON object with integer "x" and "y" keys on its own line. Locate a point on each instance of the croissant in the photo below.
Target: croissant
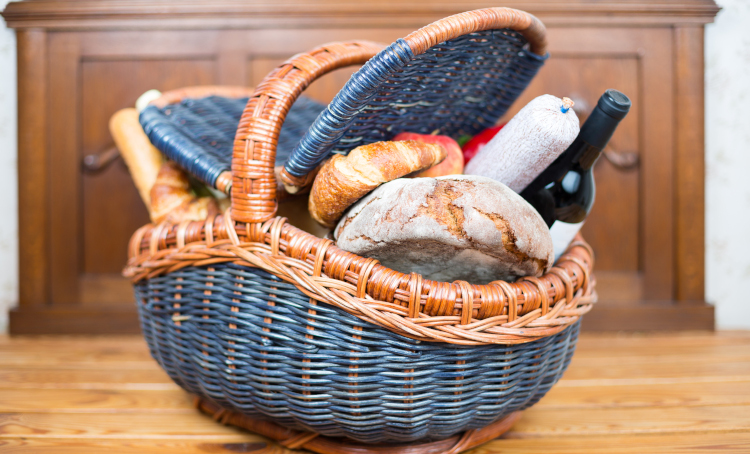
{"x": 172, "y": 201}
{"x": 345, "y": 179}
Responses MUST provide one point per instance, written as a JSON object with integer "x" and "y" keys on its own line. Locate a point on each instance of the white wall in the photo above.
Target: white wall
{"x": 8, "y": 175}
{"x": 727, "y": 163}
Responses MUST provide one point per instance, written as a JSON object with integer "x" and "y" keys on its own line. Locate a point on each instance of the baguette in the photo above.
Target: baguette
{"x": 142, "y": 158}
{"x": 345, "y": 179}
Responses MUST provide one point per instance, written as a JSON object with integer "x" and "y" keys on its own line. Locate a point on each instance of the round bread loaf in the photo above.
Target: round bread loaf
{"x": 457, "y": 227}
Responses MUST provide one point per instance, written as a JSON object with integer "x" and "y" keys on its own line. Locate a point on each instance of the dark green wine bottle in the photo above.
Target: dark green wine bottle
{"x": 564, "y": 192}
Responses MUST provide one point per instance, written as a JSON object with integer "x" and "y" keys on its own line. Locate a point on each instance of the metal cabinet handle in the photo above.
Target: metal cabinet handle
{"x": 97, "y": 162}
{"x": 621, "y": 160}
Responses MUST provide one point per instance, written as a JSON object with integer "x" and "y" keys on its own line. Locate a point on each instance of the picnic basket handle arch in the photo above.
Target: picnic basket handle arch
{"x": 253, "y": 189}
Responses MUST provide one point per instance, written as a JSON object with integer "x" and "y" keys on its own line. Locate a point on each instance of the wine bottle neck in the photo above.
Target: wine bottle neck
{"x": 589, "y": 155}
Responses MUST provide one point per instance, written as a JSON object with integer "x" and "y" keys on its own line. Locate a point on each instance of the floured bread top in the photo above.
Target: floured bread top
{"x": 454, "y": 227}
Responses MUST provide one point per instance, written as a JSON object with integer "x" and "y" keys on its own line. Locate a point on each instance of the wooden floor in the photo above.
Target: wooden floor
{"x": 665, "y": 393}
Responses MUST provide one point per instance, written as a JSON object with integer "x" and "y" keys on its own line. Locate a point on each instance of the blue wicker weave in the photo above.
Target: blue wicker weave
{"x": 254, "y": 344}
{"x": 458, "y": 87}
{"x": 198, "y": 134}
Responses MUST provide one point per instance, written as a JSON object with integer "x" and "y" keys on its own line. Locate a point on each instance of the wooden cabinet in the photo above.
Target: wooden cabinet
{"x": 80, "y": 61}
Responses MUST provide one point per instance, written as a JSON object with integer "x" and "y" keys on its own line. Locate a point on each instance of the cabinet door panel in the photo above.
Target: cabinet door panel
{"x": 111, "y": 207}
{"x": 322, "y": 90}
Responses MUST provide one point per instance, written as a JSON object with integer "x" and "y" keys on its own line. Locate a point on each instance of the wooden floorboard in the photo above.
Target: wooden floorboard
{"x": 95, "y": 401}
{"x": 702, "y": 443}
{"x": 239, "y": 443}
{"x": 543, "y": 422}
{"x": 655, "y": 393}
{"x": 84, "y": 378}
{"x": 724, "y": 443}
{"x": 647, "y": 395}
{"x": 139, "y": 425}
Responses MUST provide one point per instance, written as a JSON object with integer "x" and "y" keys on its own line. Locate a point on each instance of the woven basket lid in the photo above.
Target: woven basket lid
{"x": 456, "y": 87}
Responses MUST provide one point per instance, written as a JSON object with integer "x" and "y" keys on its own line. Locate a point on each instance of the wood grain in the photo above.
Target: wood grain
{"x": 170, "y": 401}
{"x": 623, "y": 394}
{"x": 75, "y": 319}
{"x": 541, "y": 422}
{"x": 647, "y": 395}
{"x": 32, "y": 166}
{"x": 330, "y": 12}
{"x": 657, "y": 368}
{"x": 111, "y": 425}
{"x": 614, "y": 444}
{"x": 228, "y": 444}
{"x": 64, "y": 161}
{"x": 690, "y": 164}
{"x": 657, "y": 103}
{"x": 650, "y": 316}
{"x": 85, "y": 378}
{"x": 738, "y": 443}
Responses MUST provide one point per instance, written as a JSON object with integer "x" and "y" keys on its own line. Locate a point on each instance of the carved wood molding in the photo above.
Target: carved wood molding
{"x": 334, "y": 13}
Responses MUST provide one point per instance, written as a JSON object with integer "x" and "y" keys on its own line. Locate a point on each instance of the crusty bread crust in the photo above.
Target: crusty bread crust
{"x": 457, "y": 227}
{"x": 345, "y": 179}
{"x": 172, "y": 201}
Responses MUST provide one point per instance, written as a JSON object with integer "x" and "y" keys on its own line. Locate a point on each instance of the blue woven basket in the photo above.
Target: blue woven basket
{"x": 286, "y": 335}
{"x": 316, "y": 368}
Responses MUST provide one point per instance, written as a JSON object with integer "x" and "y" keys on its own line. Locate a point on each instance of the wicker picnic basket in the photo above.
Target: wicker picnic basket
{"x": 282, "y": 333}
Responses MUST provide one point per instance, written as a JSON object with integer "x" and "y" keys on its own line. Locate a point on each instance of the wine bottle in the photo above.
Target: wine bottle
{"x": 564, "y": 192}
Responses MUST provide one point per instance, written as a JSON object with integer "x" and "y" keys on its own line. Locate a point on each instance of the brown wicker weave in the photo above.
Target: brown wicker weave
{"x": 310, "y": 441}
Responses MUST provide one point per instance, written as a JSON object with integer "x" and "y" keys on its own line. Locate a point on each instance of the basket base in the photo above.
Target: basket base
{"x": 310, "y": 441}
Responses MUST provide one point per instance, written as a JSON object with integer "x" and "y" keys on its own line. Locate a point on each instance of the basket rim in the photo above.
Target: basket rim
{"x": 407, "y": 304}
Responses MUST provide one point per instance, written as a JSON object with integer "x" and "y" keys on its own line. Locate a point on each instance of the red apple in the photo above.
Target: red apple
{"x": 453, "y": 163}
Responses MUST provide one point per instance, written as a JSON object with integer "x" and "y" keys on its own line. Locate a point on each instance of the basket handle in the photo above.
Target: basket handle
{"x": 478, "y": 20}
{"x": 254, "y": 155}
{"x": 253, "y": 180}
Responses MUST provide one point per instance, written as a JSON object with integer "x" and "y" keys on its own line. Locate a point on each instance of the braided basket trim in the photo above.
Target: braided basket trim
{"x": 457, "y": 313}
